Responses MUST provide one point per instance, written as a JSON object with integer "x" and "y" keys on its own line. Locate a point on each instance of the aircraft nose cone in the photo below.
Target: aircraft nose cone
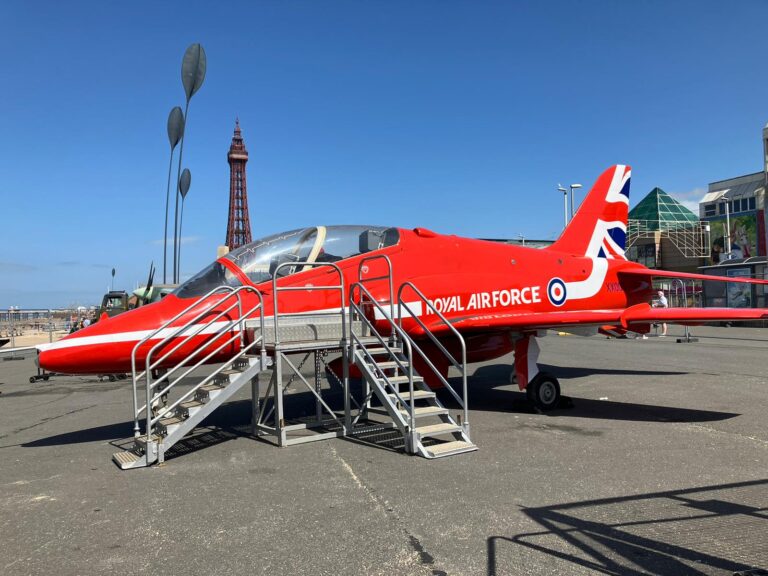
{"x": 102, "y": 348}
{"x": 106, "y": 346}
{"x": 53, "y": 358}
{"x": 65, "y": 357}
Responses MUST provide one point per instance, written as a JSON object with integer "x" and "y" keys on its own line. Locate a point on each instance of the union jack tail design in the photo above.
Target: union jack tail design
{"x": 599, "y": 227}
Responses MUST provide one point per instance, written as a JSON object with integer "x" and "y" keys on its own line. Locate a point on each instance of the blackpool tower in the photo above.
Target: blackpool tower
{"x": 238, "y": 224}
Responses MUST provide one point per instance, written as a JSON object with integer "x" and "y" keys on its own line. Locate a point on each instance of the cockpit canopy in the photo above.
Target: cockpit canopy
{"x": 261, "y": 259}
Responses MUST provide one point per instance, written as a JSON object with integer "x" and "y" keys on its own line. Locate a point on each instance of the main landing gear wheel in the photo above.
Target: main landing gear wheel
{"x": 544, "y": 391}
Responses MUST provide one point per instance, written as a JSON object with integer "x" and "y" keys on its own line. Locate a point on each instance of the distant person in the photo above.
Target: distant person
{"x": 86, "y": 322}
{"x": 718, "y": 249}
{"x": 661, "y": 302}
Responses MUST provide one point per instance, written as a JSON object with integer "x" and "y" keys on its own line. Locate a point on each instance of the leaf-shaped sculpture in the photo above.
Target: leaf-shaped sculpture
{"x": 175, "y": 126}
{"x": 193, "y": 69}
{"x": 184, "y": 182}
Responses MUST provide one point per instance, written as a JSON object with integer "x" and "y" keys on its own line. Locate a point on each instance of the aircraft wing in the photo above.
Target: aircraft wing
{"x": 640, "y": 314}
{"x": 650, "y": 273}
{"x": 18, "y": 352}
{"x": 534, "y": 321}
{"x": 644, "y": 313}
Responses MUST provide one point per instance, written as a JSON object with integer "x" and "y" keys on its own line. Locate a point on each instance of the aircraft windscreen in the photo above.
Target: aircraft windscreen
{"x": 206, "y": 280}
{"x": 259, "y": 260}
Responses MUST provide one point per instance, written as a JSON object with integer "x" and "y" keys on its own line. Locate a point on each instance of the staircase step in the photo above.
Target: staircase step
{"x": 417, "y": 395}
{"x": 231, "y": 371}
{"x": 141, "y": 441}
{"x": 211, "y": 387}
{"x": 385, "y": 350}
{"x": 185, "y": 407}
{"x": 126, "y": 459}
{"x": 424, "y": 411}
{"x": 170, "y": 421}
{"x": 392, "y": 364}
{"x": 401, "y": 379}
{"x": 190, "y": 404}
{"x": 450, "y": 448}
{"x": 438, "y": 429}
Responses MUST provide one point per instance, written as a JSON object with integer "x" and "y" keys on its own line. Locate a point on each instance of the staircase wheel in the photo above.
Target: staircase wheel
{"x": 544, "y": 391}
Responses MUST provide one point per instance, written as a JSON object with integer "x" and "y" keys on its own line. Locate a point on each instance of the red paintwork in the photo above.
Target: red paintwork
{"x": 453, "y": 272}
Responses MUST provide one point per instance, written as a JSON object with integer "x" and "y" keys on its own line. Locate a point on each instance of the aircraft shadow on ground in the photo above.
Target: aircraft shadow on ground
{"x": 95, "y": 434}
{"x": 230, "y": 421}
{"x": 233, "y": 418}
{"x": 487, "y": 394}
{"x": 689, "y": 531}
{"x": 500, "y": 373}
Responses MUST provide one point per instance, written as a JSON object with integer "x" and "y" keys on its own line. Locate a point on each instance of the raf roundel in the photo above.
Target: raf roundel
{"x": 556, "y": 292}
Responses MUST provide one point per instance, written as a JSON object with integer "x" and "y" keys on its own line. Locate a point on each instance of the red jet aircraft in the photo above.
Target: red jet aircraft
{"x": 500, "y": 297}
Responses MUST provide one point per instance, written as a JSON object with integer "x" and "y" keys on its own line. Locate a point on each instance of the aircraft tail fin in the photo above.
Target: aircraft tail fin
{"x": 599, "y": 227}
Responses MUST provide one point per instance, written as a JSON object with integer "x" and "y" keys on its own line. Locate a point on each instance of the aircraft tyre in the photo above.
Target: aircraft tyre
{"x": 544, "y": 391}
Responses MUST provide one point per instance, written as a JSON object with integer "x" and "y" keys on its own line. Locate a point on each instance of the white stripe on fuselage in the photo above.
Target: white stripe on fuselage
{"x": 137, "y": 335}
{"x": 415, "y": 306}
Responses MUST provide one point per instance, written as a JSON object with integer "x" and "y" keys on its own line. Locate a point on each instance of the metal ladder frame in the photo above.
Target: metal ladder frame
{"x": 461, "y": 367}
{"x": 357, "y": 343}
{"x": 361, "y": 280}
{"x": 282, "y": 351}
{"x": 153, "y": 392}
{"x": 399, "y": 336}
{"x": 687, "y": 338}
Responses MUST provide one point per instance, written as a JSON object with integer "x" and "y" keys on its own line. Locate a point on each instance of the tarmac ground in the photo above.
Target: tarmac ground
{"x": 657, "y": 464}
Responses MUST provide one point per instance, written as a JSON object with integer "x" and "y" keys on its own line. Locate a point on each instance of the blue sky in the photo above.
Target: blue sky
{"x": 457, "y": 116}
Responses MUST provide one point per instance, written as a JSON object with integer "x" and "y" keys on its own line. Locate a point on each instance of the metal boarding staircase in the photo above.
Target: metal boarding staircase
{"x": 427, "y": 426}
{"x": 385, "y": 360}
{"x": 166, "y": 424}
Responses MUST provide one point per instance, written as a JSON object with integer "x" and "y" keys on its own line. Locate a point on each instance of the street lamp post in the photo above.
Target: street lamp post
{"x": 565, "y": 204}
{"x": 573, "y": 187}
{"x": 727, "y": 228}
{"x": 13, "y": 328}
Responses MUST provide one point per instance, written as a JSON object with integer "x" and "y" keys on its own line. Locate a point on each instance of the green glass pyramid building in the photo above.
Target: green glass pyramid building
{"x": 659, "y": 211}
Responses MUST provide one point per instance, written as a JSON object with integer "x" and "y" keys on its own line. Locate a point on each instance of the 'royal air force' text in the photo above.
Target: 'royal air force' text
{"x": 482, "y": 300}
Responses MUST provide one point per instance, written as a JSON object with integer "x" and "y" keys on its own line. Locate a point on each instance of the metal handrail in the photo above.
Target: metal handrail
{"x": 389, "y": 385}
{"x": 277, "y": 289}
{"x": 230, "y": 325}
{"x": 191, "y": 392}
{"x": 675, "y": 282}
{"x": 387, "y": 277}
{"x": 396, "y": 330}
{"x": 153, "y": 334}
{"x": 461, "y": 367}
{"x": 226, "y": 328}
{"x": 149, "y": 365}
{"x": 229, "y": 292}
